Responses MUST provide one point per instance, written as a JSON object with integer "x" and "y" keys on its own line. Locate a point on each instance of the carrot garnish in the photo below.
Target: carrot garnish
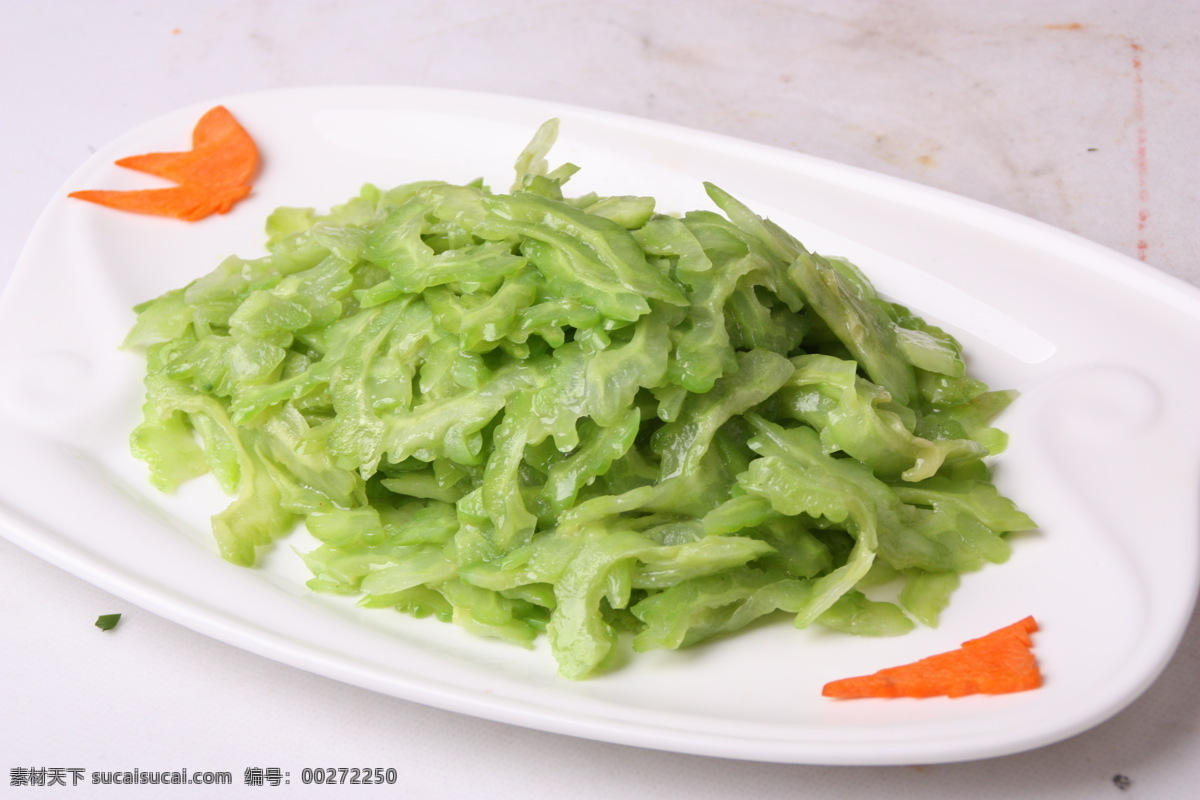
{"x": 222, "y": 154}
{"x": 214, "y": 175}
{"x": 998, "y": 663}
{"x": 188, "y": 201}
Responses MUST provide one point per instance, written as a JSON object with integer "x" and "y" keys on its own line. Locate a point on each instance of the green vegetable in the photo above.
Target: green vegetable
{"x": 106, "y": 622}
{"x": 531, "y": 414}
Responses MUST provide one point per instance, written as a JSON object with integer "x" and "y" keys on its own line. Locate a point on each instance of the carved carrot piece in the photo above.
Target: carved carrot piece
{"x": 188, "y": 201}
{"x": 222, "y": 153}
{"x": 212, "y": 176}
{"x": 998, "y": 663}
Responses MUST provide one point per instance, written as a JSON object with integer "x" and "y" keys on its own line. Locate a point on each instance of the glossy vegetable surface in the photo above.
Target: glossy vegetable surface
{"x": 530, "y": 413}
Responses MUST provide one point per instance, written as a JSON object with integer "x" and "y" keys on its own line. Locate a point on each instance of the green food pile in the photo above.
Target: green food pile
{"x": 527, "y": 413}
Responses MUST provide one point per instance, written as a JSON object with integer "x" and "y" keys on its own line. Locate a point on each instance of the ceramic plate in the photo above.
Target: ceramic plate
{"x": 1103, "y": 440}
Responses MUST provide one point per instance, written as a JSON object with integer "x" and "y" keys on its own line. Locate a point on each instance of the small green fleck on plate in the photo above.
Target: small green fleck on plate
{"x": 106, "y": 622}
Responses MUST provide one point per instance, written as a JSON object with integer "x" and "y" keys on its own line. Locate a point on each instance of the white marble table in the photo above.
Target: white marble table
{"x": 1080, "y": 114}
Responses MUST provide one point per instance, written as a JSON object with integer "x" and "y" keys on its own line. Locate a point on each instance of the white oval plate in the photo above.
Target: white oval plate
{"x": 1103, "y": 453}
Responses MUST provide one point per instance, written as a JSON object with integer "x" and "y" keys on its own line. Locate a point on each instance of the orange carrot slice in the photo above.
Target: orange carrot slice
{"x": 998, "y": 663}
{"x": 212, "y": 176}
{"x": 188, "y": 201}
{"x": 222, "y": 153}
{"x": 1019, "y": 630}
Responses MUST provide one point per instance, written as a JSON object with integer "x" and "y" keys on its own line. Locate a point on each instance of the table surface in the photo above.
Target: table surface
{"x": 1080, "y": 114}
